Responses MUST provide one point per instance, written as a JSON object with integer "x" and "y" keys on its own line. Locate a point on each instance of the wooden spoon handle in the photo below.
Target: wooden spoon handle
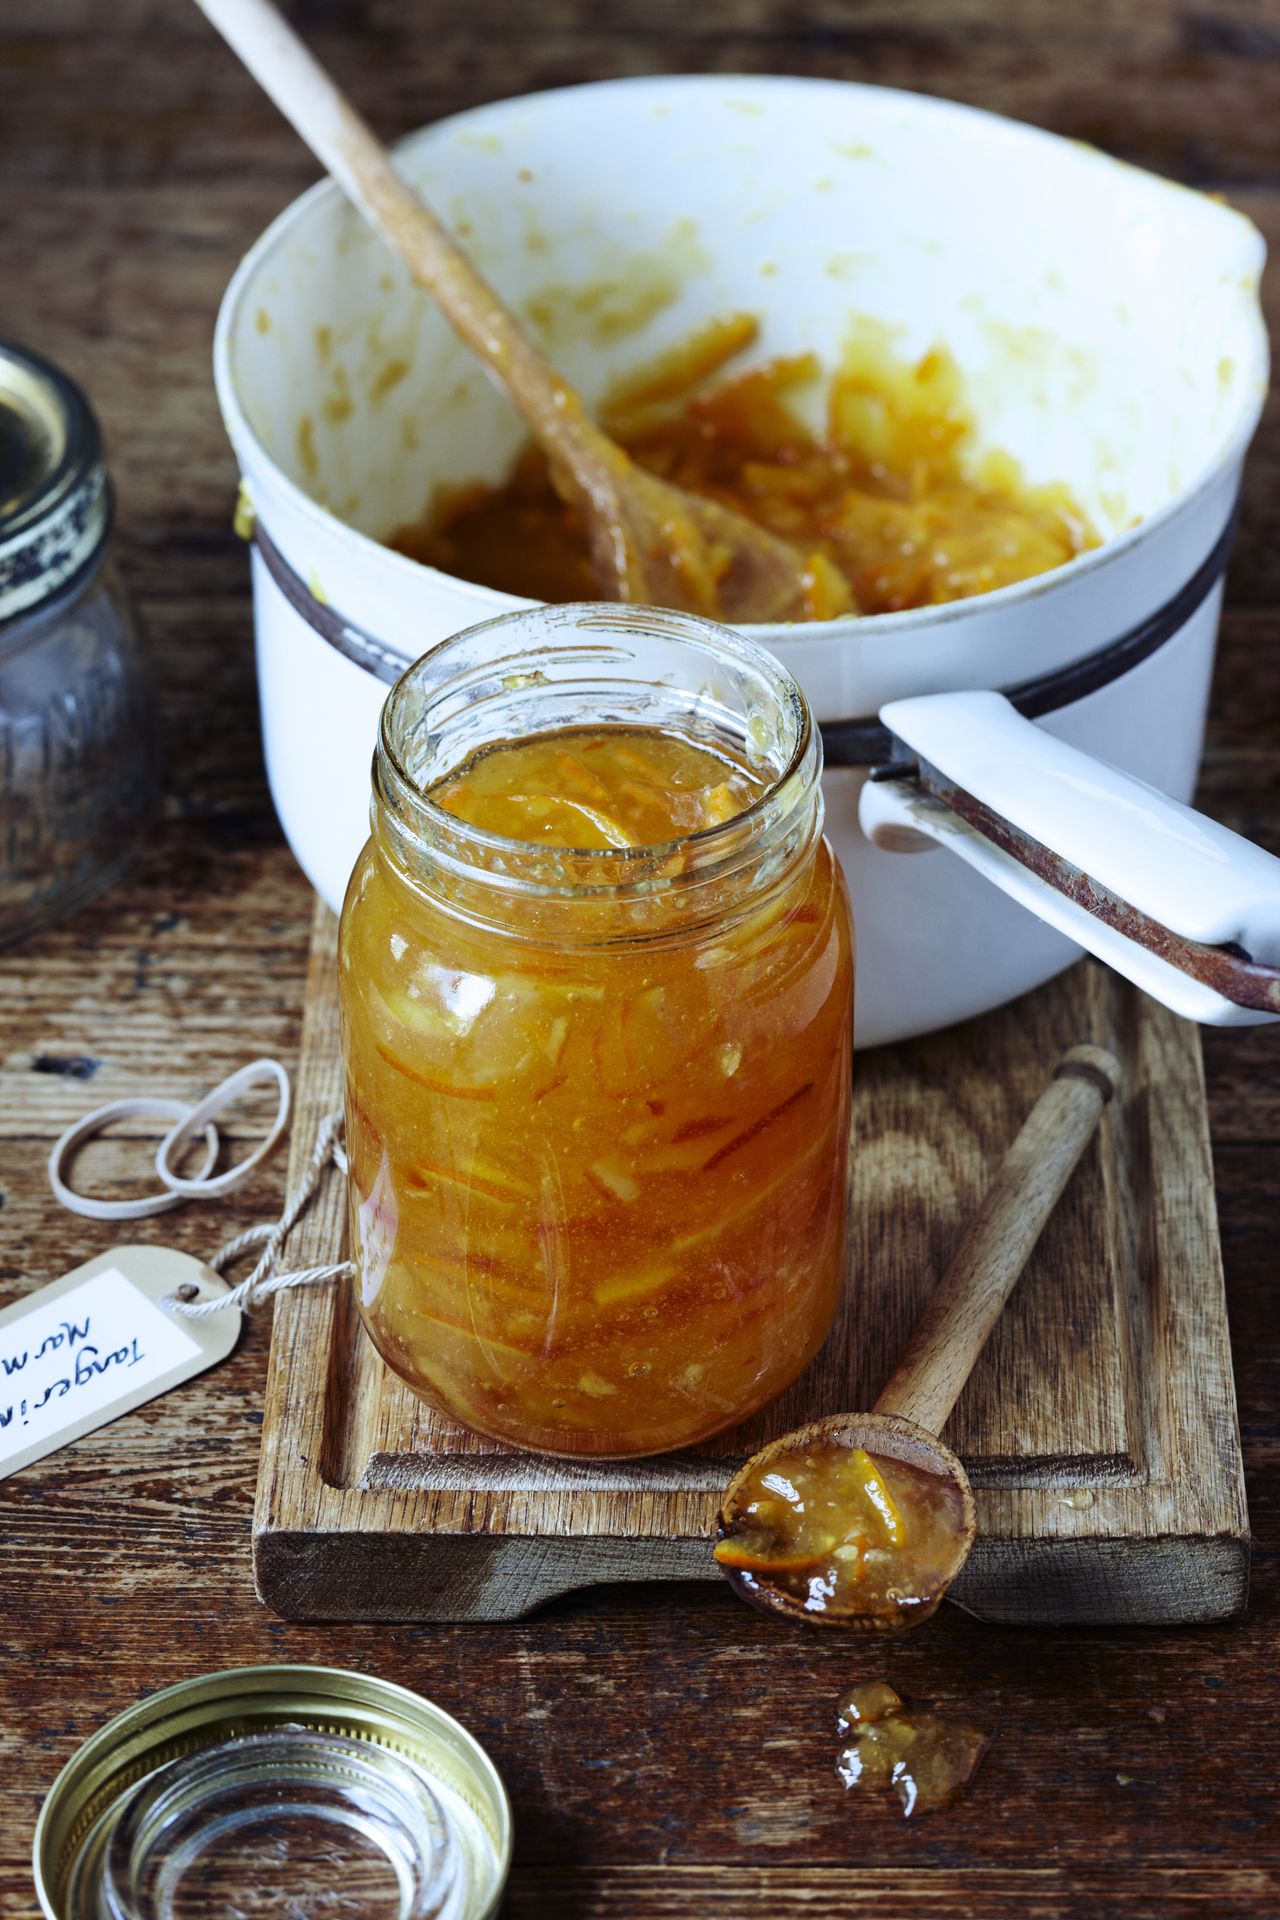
{"x": 343, "y": 143}
{"x": 970, "y": 1297}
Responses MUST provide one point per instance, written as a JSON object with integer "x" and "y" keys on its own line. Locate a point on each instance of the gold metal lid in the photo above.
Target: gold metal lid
{"x": 209, "y": 1743}
{"x": 55, "y": 504}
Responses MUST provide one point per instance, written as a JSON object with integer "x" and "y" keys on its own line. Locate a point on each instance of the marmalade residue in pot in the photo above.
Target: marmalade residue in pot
{"x": 598, "y": 1190}
{"x": 842, "y": 1532}
{"x": 887, "y": 501}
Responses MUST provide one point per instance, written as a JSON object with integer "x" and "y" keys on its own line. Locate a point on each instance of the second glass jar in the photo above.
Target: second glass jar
{"x": 597, "y": 1100}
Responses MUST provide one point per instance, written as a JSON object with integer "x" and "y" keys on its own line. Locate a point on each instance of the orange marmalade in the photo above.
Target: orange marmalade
{"x": 840, "y": 1531}
{"x": 887, "y": 499}
{"x": 891, "y": 1745}
{"x": 596, "y": 975}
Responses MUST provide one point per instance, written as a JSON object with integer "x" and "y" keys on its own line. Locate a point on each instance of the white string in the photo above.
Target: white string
{"x": 264, "y": 1281}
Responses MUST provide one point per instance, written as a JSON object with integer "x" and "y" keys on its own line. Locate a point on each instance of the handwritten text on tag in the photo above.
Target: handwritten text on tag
{"x": 95, "y": 1344}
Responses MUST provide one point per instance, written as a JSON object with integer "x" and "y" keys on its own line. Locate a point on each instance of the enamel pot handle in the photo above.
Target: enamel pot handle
{"x": 1185, "y": 908}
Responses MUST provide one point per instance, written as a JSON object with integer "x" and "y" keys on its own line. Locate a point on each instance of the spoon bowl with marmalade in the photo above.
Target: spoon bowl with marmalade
{"x": 863, "y": 1520}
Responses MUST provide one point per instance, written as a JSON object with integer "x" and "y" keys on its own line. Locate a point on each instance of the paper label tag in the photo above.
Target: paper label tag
{"x": 95, "y": 1344}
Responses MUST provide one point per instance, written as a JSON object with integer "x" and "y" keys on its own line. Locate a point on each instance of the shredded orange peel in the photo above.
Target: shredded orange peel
{"x": 872, "y": 1483}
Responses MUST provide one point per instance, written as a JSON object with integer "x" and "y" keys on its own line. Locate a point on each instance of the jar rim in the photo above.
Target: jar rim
{"x": 610, "y": 871}
{"x": 56, "y": 515}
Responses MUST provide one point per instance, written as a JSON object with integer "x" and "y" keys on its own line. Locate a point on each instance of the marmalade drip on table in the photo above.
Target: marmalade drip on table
{"x": 598, "y": 1187}
{"x": 891, "y": 1745}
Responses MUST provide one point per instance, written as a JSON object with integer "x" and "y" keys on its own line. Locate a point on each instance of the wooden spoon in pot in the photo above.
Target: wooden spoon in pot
{"x": 651, "y": 543}
{"x": 778, "y": 1501}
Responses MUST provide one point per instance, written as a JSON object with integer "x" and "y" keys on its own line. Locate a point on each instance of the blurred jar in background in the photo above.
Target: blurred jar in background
{"x": 78, "y": 778}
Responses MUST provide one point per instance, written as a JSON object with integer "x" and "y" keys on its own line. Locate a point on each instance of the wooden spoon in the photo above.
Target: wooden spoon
{"x": 947, "y": 1340}
{"x": 651, "y": 543}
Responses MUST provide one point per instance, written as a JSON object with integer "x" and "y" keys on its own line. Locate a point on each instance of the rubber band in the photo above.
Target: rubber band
{"x": 144, "y": 1108}
{"x": 257, "y": 1073}
{"x": 265, "y": 1279}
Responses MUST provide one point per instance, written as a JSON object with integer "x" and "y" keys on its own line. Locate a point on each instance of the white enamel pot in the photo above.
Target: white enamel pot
{"x": 1108, "y": 328}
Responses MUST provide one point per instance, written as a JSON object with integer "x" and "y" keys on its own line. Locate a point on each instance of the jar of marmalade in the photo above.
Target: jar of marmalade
{"x": 596, "y": 980}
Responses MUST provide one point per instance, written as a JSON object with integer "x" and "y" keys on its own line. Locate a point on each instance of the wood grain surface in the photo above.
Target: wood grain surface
{"x": 668, "y": 1753}
{"x": 1023, "y": 1193}
{"x": 1098, "y": 1428}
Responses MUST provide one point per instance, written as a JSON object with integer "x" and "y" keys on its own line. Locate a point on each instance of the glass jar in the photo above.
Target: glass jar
{"x": 597, "y": 1102}
{"x": 77, "y": 758}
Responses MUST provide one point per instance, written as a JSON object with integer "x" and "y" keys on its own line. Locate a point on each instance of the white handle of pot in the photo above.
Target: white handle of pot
{"x": 1183, "y": 907}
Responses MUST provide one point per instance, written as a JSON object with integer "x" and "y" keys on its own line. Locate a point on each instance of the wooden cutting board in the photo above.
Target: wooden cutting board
{"x": 1099, "y": 1427}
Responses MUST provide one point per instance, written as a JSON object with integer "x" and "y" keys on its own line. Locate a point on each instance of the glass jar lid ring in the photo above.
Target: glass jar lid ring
{"x": 144, "y": 1107}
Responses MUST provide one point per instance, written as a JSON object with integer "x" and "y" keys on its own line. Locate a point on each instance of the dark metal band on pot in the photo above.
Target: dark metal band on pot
{"x": 845, "y": 743}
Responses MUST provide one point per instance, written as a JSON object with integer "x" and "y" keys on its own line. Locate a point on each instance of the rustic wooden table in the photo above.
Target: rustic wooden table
{"x": 667, "y": 1752}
